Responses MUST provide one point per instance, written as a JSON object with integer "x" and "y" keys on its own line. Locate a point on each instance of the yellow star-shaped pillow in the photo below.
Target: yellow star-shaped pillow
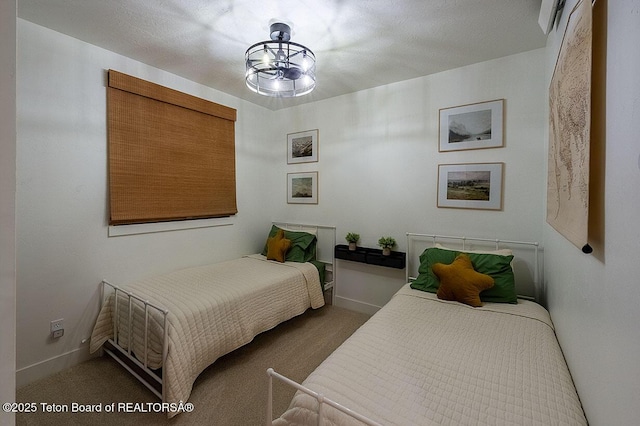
{"x": 460, "y": 282}
{"x": 277, "y": 247}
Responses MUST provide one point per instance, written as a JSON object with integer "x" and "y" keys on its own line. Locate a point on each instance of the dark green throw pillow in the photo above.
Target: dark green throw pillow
{"x": 303, "y": 245}
{"x": 496, "y": 266}
{"x": 427, "y": 280}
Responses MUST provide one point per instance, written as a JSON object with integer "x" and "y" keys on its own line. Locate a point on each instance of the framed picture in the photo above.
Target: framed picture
{"x": 302, "y": 188}
{"x": 302, "y": 147}
{"x": 473, "y": 126}
{"x": 470, "y": 186}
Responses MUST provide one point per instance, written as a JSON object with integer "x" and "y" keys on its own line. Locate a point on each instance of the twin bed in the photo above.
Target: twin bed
{"x": 167, "y": 329}
{"x": 421, "y": 360}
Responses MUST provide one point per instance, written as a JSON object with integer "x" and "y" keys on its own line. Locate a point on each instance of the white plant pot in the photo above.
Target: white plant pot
{"x": 386, "y": 251}
{"x": 352, "y": 246}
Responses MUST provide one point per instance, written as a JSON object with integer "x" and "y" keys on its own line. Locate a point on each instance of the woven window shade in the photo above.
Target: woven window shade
{"x": 171, "y": 155}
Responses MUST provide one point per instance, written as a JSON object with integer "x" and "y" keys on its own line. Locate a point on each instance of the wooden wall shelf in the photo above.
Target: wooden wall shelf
{"x": 371, "y": 256}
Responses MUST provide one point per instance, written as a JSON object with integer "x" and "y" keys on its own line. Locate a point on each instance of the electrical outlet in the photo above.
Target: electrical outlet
{"x": 57, "y": 328}
{"x": 57, "y": 324}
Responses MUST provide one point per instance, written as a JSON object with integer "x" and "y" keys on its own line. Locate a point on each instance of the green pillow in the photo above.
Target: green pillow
{"x": 496, "y": 266}
{"x": 427, "y": 280}
{"x": 303, "y": 245}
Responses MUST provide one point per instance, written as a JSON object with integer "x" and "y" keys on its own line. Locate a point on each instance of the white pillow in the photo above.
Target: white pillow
{"x": 501, "y": 252}
{"x": 308, "y": 230}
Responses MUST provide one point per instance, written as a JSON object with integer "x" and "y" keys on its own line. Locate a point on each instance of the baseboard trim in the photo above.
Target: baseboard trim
{"x": 356, "y": 305}
{"x": 42, "y": 369}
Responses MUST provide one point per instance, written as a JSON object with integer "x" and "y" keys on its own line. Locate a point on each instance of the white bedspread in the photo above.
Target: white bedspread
{"x": 214, "y": 309}
{"x": 423, "y": 361}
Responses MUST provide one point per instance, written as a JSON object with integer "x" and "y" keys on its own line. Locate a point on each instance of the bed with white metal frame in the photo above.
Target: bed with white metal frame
{"x": 156, "y": 315}
{"x": 527, "y": 274}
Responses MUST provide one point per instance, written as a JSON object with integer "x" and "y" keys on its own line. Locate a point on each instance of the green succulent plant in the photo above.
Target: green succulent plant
{"x": 387, "y": 242}
{"x": 352, "y": 237}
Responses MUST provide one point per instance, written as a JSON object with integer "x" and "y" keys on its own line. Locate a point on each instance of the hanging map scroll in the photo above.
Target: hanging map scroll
{"x": 569, "y": 130}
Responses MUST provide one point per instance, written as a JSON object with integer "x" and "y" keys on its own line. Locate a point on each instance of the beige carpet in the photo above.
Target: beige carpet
{"x": 233, "y": 391}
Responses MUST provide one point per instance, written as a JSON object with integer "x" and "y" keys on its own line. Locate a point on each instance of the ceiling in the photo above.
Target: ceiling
{"x": 358, "y": 44}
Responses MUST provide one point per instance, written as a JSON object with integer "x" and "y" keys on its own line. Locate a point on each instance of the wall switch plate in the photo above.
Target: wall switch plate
{"x": 58, "y": 333}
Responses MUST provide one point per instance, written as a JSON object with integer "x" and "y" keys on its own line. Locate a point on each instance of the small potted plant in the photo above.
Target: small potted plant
{"x": 352, "y": 238}
{"x": 387, "y": 243}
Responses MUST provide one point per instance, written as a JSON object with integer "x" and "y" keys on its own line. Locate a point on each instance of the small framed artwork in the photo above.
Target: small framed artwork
{"x": 302, "y": 147}
{"x": 470, "y": 186}
{"x": 473, "y": 126}
{"x": 302, "y": 188}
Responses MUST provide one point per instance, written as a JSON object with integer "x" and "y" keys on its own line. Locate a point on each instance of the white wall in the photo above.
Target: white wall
{"x": 593, "y": 303}
{"x": 7, "y": 206}
{"x": 378, "y": 160}
{"x": 63, "y": 251}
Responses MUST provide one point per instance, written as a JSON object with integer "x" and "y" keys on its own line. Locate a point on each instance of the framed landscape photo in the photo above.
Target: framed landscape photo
{"x": 302, "y": 188}
{"x": 302, "y": 147}
{"x": 470, "y": 186}
{"x": 473, "y": 126}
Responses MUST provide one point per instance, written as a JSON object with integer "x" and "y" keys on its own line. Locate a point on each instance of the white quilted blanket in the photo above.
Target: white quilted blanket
{"x": 423, "y": 361}
{"x": 213, "y": 310}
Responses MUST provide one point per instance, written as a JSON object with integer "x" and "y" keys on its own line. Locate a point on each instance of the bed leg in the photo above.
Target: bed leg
{"x": 269, "y": 420}
{"x": 320, "y": 399}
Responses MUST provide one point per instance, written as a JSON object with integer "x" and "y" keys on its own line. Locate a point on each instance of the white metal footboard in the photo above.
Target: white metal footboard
{"x": 318, "y": 396}
{"x": 139, "y": 369}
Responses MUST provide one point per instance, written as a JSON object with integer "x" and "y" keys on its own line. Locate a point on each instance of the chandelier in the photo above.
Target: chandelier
{"x": 280, "y": 67}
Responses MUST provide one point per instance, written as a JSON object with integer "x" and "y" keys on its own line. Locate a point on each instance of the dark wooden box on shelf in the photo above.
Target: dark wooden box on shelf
{"x": 371, "y": 256}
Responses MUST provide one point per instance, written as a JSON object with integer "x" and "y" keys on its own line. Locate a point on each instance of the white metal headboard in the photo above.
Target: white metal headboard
{"x": 526, "y": 262}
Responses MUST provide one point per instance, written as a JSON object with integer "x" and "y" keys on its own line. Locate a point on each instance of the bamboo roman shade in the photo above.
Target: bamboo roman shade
{"x": 171, "y": 155}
